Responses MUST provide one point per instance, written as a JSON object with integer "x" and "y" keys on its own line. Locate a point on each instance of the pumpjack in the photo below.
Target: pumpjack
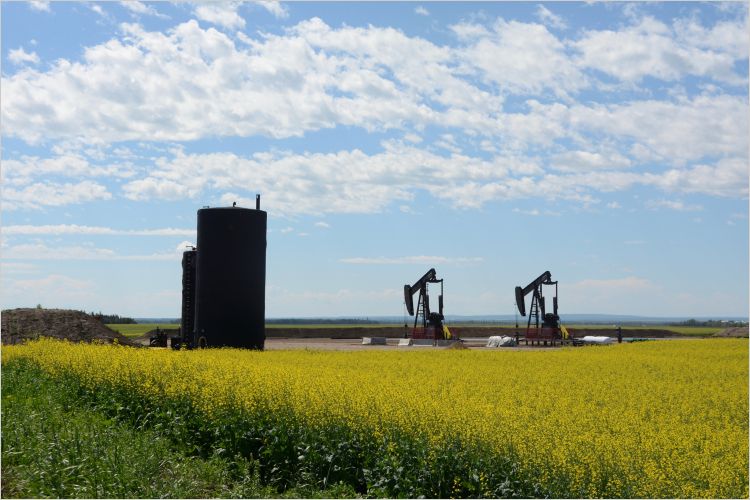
{"x": 550, "y": 328}
{"x": 431, "y": 322}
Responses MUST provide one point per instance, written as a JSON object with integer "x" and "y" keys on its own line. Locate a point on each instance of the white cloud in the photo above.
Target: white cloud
{"x": 728, "y": 177}
{"x": 41, "y": 251}
{"x": 20, "y": 56}
{"x": 275, "y": 7}
{"x": 728, "y": 37}
{"x": 533, "y": 212}
{"x": 549, "y": 18}
{"x": 13, "y": 268}
{"x": 674, "y": 132}
{"x": 221, "y": 13}
{"x": 355, "y": 182}
{"x": 343, "y": 182}
{"x": 61, "y": 229}
{"x": 448, "y": 143}
{"x": 412, "y": 259}
{"x": 468, "y": 31}
{"x": 522, "y": 58}
{"x": 140, "y": 8}
{"x": 582, "y": 161}
{"x": 314, "y": 76}
{"x": 48, "y": 194}
{"x": 536, "y": 212}
{"x": 420, "y": 10}
{"x": 652, "y": 48}
{"x": 136, "y": 6}
{"x": 673, "y": 205}
{"x": 98, "y": 9}
{"x": 164, "y": 189}
{"x": 40, "y": 5}
{"x": 402, "y": 96}
{"x": 322, "y": 224}
{"x": 24, "y": 170}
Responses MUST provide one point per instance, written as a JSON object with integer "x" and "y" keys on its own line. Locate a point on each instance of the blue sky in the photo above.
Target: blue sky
{"x": 604, "y": 142}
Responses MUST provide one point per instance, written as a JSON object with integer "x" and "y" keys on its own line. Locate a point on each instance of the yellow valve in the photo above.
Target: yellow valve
{"x": 564, "y": 331}
{"x": 446, "y": 332}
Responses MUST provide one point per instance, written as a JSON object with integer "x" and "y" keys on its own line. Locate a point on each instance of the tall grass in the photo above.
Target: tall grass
{"x": 56, "y": 445}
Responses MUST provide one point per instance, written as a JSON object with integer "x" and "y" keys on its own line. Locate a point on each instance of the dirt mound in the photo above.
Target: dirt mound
{"x": 459, "y": 346}
{"x": 737, "y": 331}
{"x": 19, "y": 325}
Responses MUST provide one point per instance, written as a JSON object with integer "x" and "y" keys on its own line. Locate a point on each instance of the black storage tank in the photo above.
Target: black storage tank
{"x": 187, "y": 324}
{"x": 230, "y": 283}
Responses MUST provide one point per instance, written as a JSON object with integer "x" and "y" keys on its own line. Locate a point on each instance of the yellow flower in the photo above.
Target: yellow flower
{"x": 658, "y": 419}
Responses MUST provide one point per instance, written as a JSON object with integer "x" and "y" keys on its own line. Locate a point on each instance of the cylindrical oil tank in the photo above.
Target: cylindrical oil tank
{"x": 187, "y": 324}
{"x": 231, "y": 278}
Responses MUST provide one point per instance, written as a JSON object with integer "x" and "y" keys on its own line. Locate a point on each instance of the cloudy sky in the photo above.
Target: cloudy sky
{"x": 607, "y": 143}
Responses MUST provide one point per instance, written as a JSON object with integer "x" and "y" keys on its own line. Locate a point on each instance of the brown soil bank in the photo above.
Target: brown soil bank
{"x": 461, "y": 331}
{"x": 19, "y": 325}
{"x": 737, "y": 331}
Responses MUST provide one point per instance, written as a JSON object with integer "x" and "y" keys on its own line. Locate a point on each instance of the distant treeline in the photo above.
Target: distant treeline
{"x": 113, "y": 319}
{"x": 710, "y": 322}
{"x": 321, "y": 321}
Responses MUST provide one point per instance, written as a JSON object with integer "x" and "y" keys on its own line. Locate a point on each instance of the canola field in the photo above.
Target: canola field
{"x": 662, "y": 419}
